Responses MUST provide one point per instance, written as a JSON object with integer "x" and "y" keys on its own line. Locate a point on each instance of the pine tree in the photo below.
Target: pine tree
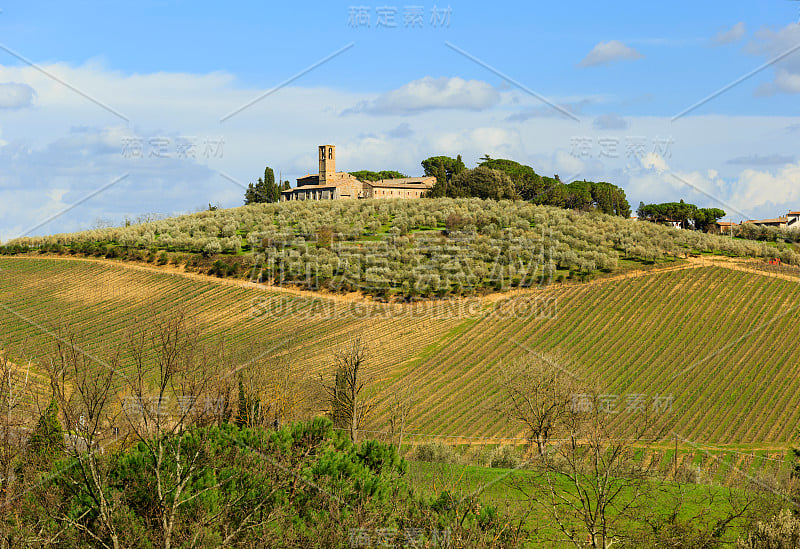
{"x": 47, "y": 439}
{"x": 249, "y": 408}
{"x": 241, "y": 413}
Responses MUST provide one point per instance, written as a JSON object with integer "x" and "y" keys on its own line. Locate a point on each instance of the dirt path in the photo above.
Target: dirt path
{"x": 749, "y": 266}
{"x": 178, "y": 271}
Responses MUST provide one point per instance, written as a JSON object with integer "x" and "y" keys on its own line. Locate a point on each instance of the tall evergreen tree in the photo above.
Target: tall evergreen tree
{"x": 249, "y": 408}
{"x": 46, "y": 442}
{"x": 265, "y": 190}
{"x": 444, "y": 169}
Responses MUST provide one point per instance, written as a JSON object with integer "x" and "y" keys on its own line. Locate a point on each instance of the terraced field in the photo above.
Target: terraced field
{"x": 39, "y": 295}
{"x": 719, "y": 343}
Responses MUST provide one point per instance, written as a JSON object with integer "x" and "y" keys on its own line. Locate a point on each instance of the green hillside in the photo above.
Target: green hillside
{"x": 396, "y": 249}
{"x": 720, "y": 342}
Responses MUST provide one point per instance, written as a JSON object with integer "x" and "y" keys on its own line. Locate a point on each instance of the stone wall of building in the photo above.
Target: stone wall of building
{"x": 332, "y": 185}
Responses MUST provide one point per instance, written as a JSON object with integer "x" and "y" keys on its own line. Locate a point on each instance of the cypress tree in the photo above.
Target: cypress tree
{"x": 47, "y": 439}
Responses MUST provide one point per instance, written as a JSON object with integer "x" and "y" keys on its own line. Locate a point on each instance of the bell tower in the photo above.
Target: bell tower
{"x": 327, "y": 164}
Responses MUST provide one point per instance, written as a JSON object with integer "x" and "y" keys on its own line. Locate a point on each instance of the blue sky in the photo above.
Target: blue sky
{"x": 109, "y": 76}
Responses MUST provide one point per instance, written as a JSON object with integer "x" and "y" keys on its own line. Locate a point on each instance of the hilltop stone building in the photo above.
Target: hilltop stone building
{"x": 329, "y": 184}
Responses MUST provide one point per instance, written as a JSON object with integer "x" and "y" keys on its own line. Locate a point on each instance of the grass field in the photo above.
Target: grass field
{"x": 719, "y": 342}
{"x": 499, "y": 488}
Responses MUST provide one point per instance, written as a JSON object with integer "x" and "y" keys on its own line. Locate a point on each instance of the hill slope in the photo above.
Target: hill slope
{"x": 720, "y": 342}
{"x": 408, "y": 248}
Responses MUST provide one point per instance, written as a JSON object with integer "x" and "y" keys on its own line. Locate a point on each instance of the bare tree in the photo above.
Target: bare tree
{"x": 169, "y": 365}
{"x": 400, "y": 406}
{"x": 691, "y": 515}
{"x": 348, "y": 398}
{"x": 171, "y": 384}
{"x": 273, "y": 391}
{"x": 14, "y": 396}
{"x": 538, "y": 394}
{"x": 590, "y": 479}
{"x": 83, "y": 387}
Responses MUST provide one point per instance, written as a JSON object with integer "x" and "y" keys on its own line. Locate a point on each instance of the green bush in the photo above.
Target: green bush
{"x": 504, "y": 457}
{"x": 435, "y": 452}
{"x": 304, "y": 485}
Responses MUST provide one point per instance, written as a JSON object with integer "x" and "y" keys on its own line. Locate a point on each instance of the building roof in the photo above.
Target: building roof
{"x": 776, "y": 220}
{"x": 309, "y": 188}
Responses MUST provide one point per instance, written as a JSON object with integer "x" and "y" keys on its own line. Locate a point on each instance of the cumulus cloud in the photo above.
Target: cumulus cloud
{"x": 766, "y": 191}
{"x": 749, "y": 194}
{"x": 729, "y": 36}
{"x": 772, "y": 44}
{"x": 610, "y": 122}
{"x": 654, "y": 161}
{"x": 15, "y": 96}
{"x": 430, "y": 93}
{"x": 608, "y": 52}
{"x": 67, "y": 147}
{"x": 784, "y": 82}
{"x": 41, "y": 182}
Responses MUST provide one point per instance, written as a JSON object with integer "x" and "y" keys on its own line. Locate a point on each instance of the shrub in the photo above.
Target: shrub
{"x": 212, "y": 247}
{"x": 435, "y": 452}
{"x": 781, "y": 531}
{"x": 503, "y": 457}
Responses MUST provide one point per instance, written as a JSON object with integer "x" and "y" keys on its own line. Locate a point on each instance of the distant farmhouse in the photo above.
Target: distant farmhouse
{"x": 329, "y": 184}
{"x": 789, "y": 221}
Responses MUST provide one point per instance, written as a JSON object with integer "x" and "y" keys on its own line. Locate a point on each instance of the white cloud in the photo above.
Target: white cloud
{"x": 430, "y": 93}
{"x": 771, "y": 44}
{"x": 474, "y": 143}
{"x": 767, "y": 191}
{"x": 654, "y": 161}
{"x": 568, "y": 166}
{"x": 785, "y": 81}
{"x": 71, "y": 145}
{"x": 15, "y": 96}
{"x": 607, "y": 52}
{"x": 749, "y": 194}
{"x": 729, "y": 36}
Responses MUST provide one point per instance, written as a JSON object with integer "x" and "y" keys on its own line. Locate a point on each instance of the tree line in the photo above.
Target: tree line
{"x": 496, "y": 179}
{"x": 265, "y": 190}
{"x": 687, "y": 215}
{"x": 499, "y": 178}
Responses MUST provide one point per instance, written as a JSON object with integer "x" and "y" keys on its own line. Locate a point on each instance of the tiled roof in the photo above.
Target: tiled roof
{"x": 310, "y": 188}
{"x": 776, "y": 220}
